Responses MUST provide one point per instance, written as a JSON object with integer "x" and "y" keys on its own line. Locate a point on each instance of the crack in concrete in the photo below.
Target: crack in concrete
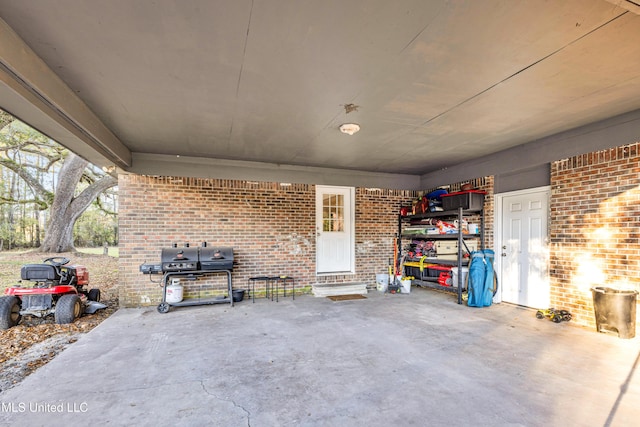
{"x": 143, "y": 387}
{"x": 245, "y": 410}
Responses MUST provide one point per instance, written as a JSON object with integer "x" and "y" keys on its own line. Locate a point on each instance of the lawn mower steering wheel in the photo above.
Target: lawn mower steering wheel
{"x": 57, "y": 261}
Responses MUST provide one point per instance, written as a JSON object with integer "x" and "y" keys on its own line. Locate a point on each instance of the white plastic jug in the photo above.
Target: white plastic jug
{"x": 382, "y": 282}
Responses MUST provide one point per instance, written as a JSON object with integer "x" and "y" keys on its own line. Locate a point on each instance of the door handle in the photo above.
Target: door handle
{"x": 504, "y": 254}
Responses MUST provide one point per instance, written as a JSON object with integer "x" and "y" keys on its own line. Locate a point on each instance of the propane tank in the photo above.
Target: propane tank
{"x": 174, "y": 291}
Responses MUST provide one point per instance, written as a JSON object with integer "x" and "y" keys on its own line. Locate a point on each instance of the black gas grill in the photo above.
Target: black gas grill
{"x": 191, "y": 259}
{"x": 192, "y": 263}
{"x": 179, "y": 259}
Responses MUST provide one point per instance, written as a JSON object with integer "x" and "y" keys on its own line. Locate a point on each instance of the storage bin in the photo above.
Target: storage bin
{"x": 413, "y": 271}
{"x": 454, "y": 276}
{"x": 450, "y": 247}
{"x": 469, "y": 200}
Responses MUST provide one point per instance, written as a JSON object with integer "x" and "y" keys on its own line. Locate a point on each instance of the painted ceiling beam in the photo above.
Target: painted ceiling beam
{"x": 27, "y": 82}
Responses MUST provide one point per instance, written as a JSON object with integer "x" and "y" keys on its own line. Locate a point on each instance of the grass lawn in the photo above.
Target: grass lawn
{"x": 113, "y": 251}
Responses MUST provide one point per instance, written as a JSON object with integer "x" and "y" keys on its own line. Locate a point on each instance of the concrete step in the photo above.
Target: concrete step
{"x": 331, "y": 289}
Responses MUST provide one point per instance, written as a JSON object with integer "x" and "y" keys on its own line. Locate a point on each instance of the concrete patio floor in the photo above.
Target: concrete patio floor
{"x": 388, "y": 360}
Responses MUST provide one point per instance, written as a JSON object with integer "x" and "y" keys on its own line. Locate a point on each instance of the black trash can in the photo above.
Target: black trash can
{"x": 615, "y": 311}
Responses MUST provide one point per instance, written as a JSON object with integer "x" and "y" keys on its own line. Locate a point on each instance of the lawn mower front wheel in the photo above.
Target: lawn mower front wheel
{"x": 68, "y": 308}
{"x": 94, "y": 295}
{"x": 9, "y": 311}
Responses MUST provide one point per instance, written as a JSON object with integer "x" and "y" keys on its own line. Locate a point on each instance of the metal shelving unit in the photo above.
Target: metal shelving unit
{"x": 459, "y": 214}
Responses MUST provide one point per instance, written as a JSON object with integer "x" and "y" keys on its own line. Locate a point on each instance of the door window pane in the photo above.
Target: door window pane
{"x": 333, "y": 212}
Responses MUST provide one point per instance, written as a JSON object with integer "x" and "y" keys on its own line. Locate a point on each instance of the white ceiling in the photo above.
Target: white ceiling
{"x": 436, "y": 83}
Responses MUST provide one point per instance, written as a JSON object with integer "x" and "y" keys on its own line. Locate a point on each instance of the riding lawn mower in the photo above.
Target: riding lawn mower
{"x": 57, "y": 289}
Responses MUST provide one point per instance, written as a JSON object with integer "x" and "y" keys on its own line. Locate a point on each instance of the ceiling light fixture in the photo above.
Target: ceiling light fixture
{"x": 349, "y": 128}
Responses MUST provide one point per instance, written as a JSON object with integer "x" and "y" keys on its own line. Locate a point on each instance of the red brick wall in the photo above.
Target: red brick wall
{"x": 594, "y": 227}
{"x": 271, "y": 228}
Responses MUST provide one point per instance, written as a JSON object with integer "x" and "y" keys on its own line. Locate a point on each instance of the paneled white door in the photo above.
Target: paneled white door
{"x": 524, "y": 248}
{"x": 334, "y": 229}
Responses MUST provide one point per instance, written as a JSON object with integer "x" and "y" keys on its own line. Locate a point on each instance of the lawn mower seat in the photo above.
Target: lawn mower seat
{"x": 39, "y": 272}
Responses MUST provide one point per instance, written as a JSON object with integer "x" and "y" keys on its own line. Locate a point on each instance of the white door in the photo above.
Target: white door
{"x": 524, "y": 248}
{"x": 334, "y": 229}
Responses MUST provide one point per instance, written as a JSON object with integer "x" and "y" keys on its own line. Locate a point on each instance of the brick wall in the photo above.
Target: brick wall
{"x": 594, "y": 227}
{"x": 271, "y": 228}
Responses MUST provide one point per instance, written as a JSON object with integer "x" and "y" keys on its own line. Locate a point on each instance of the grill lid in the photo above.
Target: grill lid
{"x": 216, "y": 258}
{"x": 179, "y": 259}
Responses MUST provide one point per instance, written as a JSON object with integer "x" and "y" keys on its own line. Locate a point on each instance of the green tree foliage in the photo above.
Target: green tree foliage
{"x": 94, "y": 228}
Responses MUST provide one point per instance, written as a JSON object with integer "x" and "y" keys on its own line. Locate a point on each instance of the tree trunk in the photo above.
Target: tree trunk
{"x": 10, "y": 219}
{"x": 67, "y": 208}
{"x": 37, "y": 233}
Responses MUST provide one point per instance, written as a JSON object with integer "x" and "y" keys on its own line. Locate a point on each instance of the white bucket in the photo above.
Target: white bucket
{"x": 405, "y": 286}
{"x": 382, "y": 282}
{"x": 454, "y": 276}
{"x": 174, "y": 291}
